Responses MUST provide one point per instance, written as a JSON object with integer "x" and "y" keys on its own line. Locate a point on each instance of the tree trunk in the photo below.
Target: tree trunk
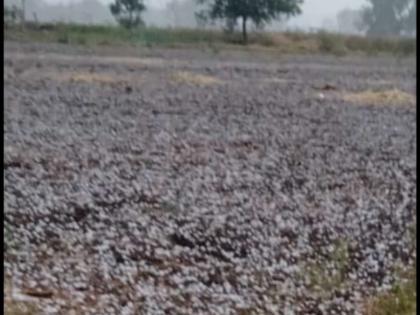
{"x": 244, "y": 32}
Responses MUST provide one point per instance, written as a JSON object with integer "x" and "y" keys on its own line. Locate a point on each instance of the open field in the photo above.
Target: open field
{"x": 177, "y": 181}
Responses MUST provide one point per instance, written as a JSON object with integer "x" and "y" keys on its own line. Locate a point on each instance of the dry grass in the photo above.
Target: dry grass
{"x": 387, "y": 97}
{"x": 92, "y": 78}
{"x": 96, "y": 78}
{"x": 323, "y": 283}
{"x": 285, "y": 42}
{"x": 20, "y": 308}
{"x": 13, "y": 307}
{"x": 400, "y": 300}
{"x": 194, "y": 79}
{"x": 279, "y": 39}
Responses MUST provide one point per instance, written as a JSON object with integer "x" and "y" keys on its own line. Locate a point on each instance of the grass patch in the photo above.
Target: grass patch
{"x": 285, "y": 42}
{"x": 111, "y": 35}
{"x": 194, "y": 79}
{"x": 376, "y": 45}
{"x": 400, "y": 300}
{"x": 92, "y": 78}
{"x": 10, "y": 243}
{"x": 387, "y": 97}
{"x": 332, "y": 44}
{"x": 324, "y": 282}
{"x": 8, "y": 237}
{"x": 412, "y": 231}
{"x": 20, "y": 308}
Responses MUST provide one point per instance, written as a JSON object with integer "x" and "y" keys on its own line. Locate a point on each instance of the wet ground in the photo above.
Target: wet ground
{"x": 185, "y": 182}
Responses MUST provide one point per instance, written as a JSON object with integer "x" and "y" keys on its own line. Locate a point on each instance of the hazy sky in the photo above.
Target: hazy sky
{"x": 314, "y": 11}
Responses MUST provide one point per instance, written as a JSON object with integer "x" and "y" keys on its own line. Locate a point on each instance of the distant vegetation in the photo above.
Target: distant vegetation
{"x": 216, "y": 26}
{"x": 128, "y": 12}
{"x": 285, "y": 42}
{"x": 259, "y": 12}
{"x": 389, "y": 17}
{"x": 376, "y": 18}
{"x": 401, "y": 299}
{"x": 12, "y": 15}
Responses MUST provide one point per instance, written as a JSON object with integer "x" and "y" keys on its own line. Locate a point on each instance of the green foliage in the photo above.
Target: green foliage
{"x": 375, "y": 45}
{"x": 332, "y": 43}
{"x": 259, "y": 12}
{"x": 400, "y": 300}
{"x": 92, "y": 35}
{"x": 11, "y": 15}
{"x": 128, "y": 12}
{"x": 10, "y": 243}
{"x": 8, "y": 237}
{"x": 390, "y": 17}
{"x": 406, "y": 47}
{"x": 287, "y": 42}
{"x": 320, "y": 279}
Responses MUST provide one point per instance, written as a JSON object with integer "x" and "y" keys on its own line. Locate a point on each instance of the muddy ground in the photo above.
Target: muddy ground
{"x": 189, "y": 182}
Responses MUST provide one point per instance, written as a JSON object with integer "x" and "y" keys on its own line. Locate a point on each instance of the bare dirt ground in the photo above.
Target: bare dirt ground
{"x": 183, "y": 182}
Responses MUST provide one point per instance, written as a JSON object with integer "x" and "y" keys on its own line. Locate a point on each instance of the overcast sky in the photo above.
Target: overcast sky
{"x": 315, "y": 12}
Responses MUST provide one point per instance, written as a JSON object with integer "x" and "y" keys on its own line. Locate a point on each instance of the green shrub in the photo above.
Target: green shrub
{"x": 407, "y": 47}
{"x": 400, "y": 300}
{"x": 331, "y": 43}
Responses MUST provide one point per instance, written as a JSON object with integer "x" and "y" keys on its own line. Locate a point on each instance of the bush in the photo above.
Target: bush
{"x": 407, "y": 47}
{"x": 331, "y": 43}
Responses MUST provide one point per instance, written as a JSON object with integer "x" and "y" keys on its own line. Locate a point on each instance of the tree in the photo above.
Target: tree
{"x": 349, "y": 21}
{"x": 258, "y": 11}
{"x": 390, "y": 17}
{"x": 11, "y": 15}
{"x": 410, "y": 22}
{"x": 128, "y": 12}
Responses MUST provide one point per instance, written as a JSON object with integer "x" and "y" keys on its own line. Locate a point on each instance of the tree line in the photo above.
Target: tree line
{"x": 128, "y": 12}
{"x": 378, "y": 17}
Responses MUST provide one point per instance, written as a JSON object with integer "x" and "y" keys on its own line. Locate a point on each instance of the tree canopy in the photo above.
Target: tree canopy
{"x": 349, "y": 20}
{"x": 258, "y": 11}
{"x": 390, "y": 17}
{"x": 128, "y": 12}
